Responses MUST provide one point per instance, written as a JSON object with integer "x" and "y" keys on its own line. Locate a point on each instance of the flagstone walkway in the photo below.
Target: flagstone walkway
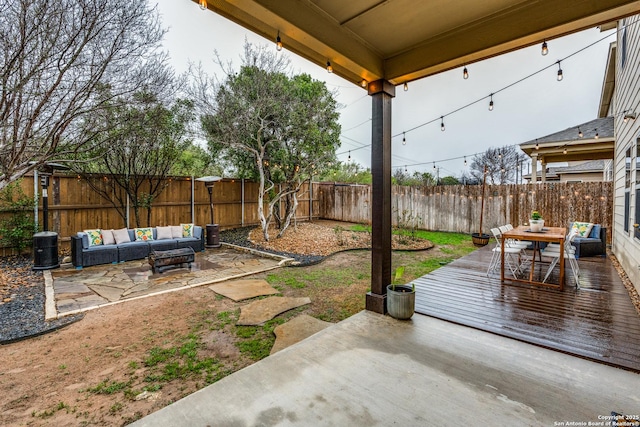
{"x": 71, "y": 291}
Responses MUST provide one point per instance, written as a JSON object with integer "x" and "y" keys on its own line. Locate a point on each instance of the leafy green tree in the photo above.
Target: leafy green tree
{"x": 57, "y": 60}
{"x": 347, "y": 172}
{"x": 269, "y": 126}
{"x": 145, "y": 139}
{"x": 195, "y": 161}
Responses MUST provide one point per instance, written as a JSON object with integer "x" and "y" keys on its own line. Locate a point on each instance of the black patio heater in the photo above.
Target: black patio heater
{"x": 45, "y": 243}
{"x": 213, "y": 230}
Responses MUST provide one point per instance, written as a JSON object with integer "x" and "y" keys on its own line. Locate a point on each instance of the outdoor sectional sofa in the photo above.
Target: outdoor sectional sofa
{"x": 84, "y": 254}
{"x": 593, "y": 245}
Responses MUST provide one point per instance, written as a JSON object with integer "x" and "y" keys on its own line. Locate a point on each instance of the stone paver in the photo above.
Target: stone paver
{"x": 239, "y": 290}
{"x": 94, "y": 286}
{"x": 296, "y": 330}
{"x": 258, "y": 312}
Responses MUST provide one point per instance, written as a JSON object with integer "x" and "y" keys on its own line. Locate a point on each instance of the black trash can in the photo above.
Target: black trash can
{"x": 213, "y": 236}
{"x": 45, "y": 250}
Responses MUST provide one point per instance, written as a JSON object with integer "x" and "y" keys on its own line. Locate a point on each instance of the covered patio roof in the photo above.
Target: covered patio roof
{"x": 597, "y": 142}
{"x": 403, "y": 40}
{"x": 379, "y": 44}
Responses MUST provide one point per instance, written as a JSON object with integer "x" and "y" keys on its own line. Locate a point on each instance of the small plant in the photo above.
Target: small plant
{"x": 535, "y": 215}
{"x": 397, "y": 278}
{"x": 338, "y": 230}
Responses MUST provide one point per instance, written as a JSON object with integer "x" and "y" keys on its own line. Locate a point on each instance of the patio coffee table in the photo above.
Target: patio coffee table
{"x": 172, "y": 258}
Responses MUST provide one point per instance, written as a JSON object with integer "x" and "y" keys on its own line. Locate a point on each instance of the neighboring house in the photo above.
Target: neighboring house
{"x": 589, "y": 144}
{"x": 621, "y": 99}
{"x": 589, "y": 171}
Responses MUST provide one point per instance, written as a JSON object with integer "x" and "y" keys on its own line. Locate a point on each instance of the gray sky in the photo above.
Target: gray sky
{"x": 536, "y": 107}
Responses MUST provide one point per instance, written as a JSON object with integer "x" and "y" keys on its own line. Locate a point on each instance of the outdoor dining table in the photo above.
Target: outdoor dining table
{"x": 549, "y": 235}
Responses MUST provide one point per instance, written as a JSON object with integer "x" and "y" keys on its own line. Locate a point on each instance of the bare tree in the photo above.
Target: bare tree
{"x": 501, "y": 163}
{"x": 58, "y": 60}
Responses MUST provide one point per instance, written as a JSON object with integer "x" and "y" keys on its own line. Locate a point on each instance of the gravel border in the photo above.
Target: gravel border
{"x": 24, "y": 315}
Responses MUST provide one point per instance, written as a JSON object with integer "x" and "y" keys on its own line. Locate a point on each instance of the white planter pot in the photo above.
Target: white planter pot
{"x": 536, "y": 225}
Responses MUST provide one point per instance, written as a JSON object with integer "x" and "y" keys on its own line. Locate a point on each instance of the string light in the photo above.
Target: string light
{"x": 329, "y": 67}
{"x": 580, "y": 134}
{"x": 442, "y": 123}
{"x": 278, "y": 42}
{"x": 349, "y": 158}
{"x": 597, "y": 136}
{"x": 545, "y": 49}
{"x": 406, "y": 86}
{"x": 404, "y": 139}
{"x": 491, "y": 103}
{"x": 405, "y": 168}
{"x": 537, "y": 146}
{"x": 559, "y": 72}
{"x": 364, "y": 83}
{"x": 465, "y": 161}
{"x": 564, "y": 151}
{"x": 465, "y": 73}
{"x": 629, "y": 116}
{"x": 203, "y": 4}
{"x": 434, "y": 166}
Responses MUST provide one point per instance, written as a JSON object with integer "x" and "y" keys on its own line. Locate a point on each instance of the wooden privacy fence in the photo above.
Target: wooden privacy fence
{"x": 75, "y": 206}
{"x": 456, "y": 208}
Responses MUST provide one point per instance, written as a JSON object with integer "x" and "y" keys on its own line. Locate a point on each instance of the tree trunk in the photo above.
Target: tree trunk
{"x": 292, "y": 201}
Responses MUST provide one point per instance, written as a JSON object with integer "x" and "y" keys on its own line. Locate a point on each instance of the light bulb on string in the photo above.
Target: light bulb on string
{"x": 329, "y": 67}
{"x": 364, "y": 83}
{"x": 465, "y": 161}
{"x": 404, "y": 139}
{"x": 405, "y": 169}
{"x": 545, "y": 48}
{"x": 560, "y": 76}
{"x": 491, "y": 103}
{"x": 442, "y": 123}
{"x": 406, "y": 86}
{"x": 597, "y": 136}
{"x": 580, "y": 134}
{"x": 349, "y": 158}
{"x": 434, "y": 166}
{"x": 278, "y": 43}
{"x": 203, "y": 4}
{"x": 564, "y": 151}
{"x": 465, "y": 73}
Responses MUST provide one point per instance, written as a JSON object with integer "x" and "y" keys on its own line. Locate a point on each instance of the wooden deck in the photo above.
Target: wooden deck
{"x": 597, "y": 321}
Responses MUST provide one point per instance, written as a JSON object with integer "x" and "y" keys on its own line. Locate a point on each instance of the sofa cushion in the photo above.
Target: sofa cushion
{"x": 187, "y": 230}
{"x": 107, "y": 237}
{"x": 121, "y": 236}
{"x": 583, "y": 228}
{"x": 94, "y": 236}
{"x": 176, "y": 231}
{"x": 143, "y": 234}
{"x": 595, "y": 231}
{"x": 163, "y": 233}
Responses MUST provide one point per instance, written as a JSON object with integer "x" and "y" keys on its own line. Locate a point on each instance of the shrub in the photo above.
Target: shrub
{"x": 17, "y": 226}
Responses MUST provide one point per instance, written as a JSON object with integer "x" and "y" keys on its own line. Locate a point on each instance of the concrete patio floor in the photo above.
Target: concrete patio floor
{"x": 70, "y": 291}
{"x": 373, "y": 370}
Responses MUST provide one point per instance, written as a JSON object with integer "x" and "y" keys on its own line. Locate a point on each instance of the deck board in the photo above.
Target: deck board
{"x": 597, "y": 321}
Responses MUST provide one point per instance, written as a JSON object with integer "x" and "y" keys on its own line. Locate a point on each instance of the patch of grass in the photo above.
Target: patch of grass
{"x": 256, "y": 349}
{"x": 115, "y": 408}
{"x": 109, "y": 387}
{"x": 437, "y": 237}
{"x": 246, "y": 331}
{"x": 225, "y": 318}
{"x": 50, "y": 412}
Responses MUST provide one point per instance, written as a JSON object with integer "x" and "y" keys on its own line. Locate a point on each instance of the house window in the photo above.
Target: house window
{"x": 627, "y": 189}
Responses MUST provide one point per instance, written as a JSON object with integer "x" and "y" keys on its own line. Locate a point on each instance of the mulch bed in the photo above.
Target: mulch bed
{"x": 22, "y": 301}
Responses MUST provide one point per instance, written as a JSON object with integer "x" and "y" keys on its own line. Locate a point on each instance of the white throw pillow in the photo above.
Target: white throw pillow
{"x": 163, "y": 233}
{"x": 121, "y": 236}
{"x": 107, "y": 237}
{"x": 176, "y": 232}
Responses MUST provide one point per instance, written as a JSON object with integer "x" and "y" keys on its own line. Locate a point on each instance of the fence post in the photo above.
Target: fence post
{"x": 242, "y": 203}
{"x": 193, "y": 199}
{"x": 36, "y": 197}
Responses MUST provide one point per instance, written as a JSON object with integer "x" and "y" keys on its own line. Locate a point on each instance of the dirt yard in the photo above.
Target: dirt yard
{"x": 125, "y": 361}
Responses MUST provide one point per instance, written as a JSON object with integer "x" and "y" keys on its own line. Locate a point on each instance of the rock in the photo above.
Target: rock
{"x": 146, "y": 395}
{"x": 258, "y": 312}
{"x": 296, "y": 330}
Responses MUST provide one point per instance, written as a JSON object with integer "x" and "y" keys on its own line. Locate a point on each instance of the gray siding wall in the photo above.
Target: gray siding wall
{"x": 626, "y": 97}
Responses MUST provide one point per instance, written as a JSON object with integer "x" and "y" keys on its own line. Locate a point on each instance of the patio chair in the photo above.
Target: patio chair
{"x": 569, "y": 255}
{"x": 511, "y": 255}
